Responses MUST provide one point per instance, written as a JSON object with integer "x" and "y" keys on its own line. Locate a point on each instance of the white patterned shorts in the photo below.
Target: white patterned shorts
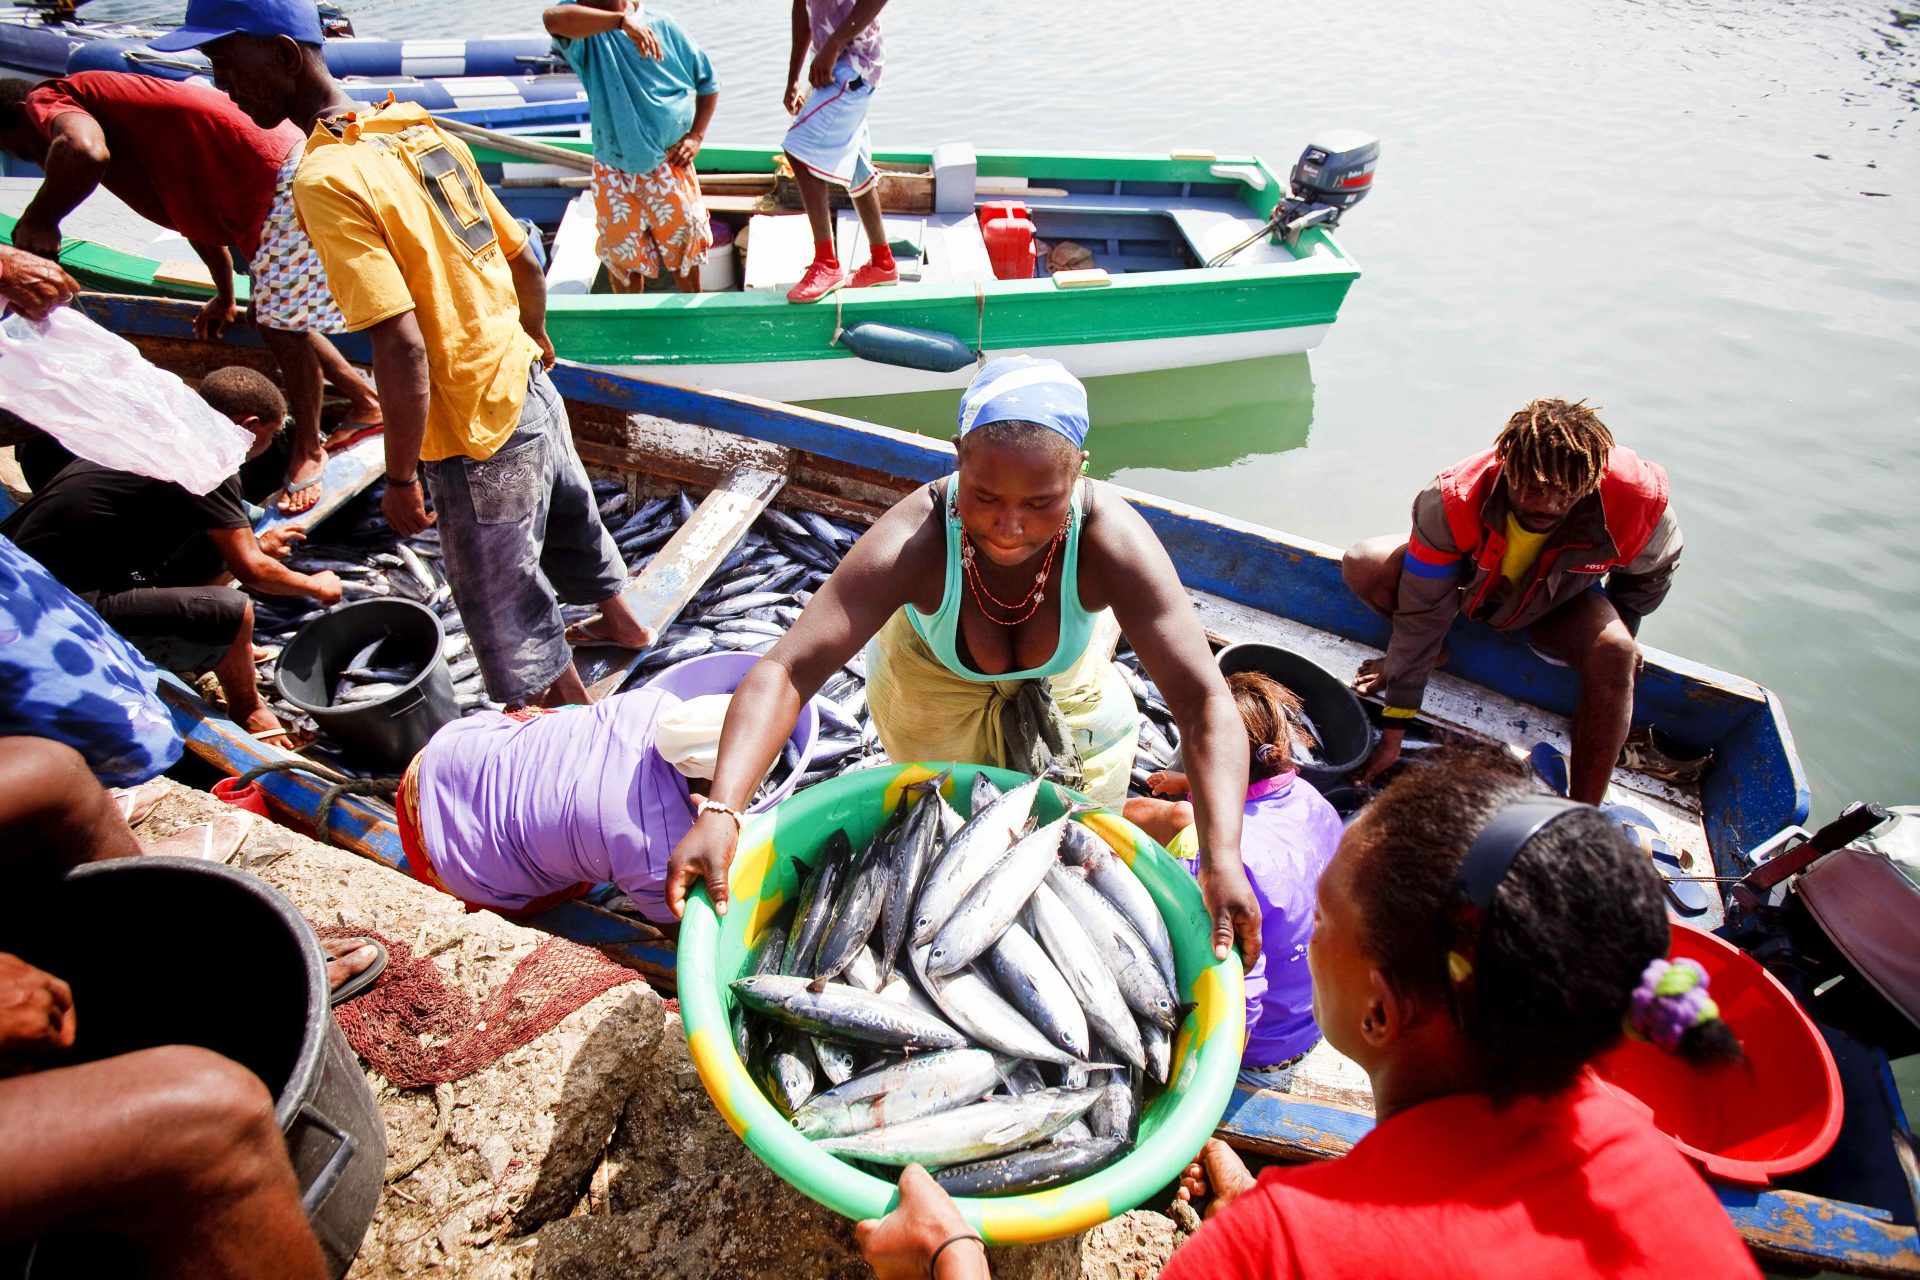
{"x": 650, "y": 222}
{"x": 289, "y": 283}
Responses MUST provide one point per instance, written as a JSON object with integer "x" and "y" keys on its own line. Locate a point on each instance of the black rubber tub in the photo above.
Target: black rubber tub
{"x": 386, "y": 731}
{"x": 163, "y": 951}
{"x": 1346, "y": 733}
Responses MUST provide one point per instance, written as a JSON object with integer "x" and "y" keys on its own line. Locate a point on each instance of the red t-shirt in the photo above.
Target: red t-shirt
{"x": 182, "y": 154}
{"x": 1576, "y": 1185}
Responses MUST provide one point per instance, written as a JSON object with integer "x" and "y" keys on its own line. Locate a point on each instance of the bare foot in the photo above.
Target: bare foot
{"x": 627, "y": 632}
{"x": 1218, "y": 1173}
{"x": 303, "y": 470}
{"x": 1367, "y": 680}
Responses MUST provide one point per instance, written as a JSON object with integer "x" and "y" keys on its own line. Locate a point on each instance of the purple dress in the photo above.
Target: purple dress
{"x": 1288, "y": 834}
{"x": 515, "y": 810}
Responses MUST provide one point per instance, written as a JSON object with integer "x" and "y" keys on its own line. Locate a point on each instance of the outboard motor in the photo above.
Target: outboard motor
{"x": 1331, "y": 176}
{"x": 334, "y": 22}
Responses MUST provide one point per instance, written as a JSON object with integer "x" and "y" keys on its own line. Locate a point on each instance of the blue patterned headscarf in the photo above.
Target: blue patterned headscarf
{"x": 66, "y": 675}
{"x": 1026, "y": 389}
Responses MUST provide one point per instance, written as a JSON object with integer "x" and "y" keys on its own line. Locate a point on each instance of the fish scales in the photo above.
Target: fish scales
{"x": 1033, "y": 985}
{"x": 969, "y": 1001}
{"x": 923, "y": 1085}
{"x": 913, "y": 855}
{"x": 991, "y": 905}
{"x": 1094, "y": 986}
{"x": 973, "y": 1132}
{"x": 1114, "y": 879}
{"x": 843, "y": 1011}
{"x": 1120, "y": 946}
{"x": 977, "y": 848}
{"x": 1047, "y": 1164}
{"x": 858, "y": 908}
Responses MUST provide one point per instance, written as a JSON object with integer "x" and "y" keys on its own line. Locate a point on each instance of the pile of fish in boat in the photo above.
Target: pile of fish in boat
{"x": 748, "y": 603}
{"x": 992, "y": 999}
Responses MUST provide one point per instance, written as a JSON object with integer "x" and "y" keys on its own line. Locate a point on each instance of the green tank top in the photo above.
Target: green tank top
{"x": 941, "y": 630}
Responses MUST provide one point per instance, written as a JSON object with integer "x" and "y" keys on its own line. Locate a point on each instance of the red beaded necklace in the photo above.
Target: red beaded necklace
{"x": 1036, "y": 594}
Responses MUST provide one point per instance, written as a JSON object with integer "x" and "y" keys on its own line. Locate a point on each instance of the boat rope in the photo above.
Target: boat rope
{"x": 442, "y": 1122}
{"x": 338, "y": 785}
{"x": 980, "y": 327}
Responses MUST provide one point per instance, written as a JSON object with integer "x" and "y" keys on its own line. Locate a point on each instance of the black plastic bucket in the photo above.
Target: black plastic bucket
{"x": 390, "y": 730}
{"x": 1346, "y": 734}
{"x": 120, "y": 932}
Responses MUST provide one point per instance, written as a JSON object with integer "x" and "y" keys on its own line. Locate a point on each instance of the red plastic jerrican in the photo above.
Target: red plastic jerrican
{"x": 1008, "y": 231}
{"x": 250, "y": 797}
{"x": 1774, "y": 1114}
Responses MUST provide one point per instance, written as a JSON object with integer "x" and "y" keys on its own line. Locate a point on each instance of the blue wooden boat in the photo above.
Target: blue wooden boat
{"x": 1855, "y": 1212}
{"x": 494, "y": 81}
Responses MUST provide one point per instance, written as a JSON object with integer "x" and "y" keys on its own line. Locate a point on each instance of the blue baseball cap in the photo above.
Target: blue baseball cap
{"x": 1026, "y": 389}
{"x": 210, "y": 20}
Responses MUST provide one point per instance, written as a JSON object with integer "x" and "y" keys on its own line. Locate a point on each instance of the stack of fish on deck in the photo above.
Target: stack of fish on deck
{"x": 992, "y": 998}
{"x": 747, "y": 604}
{"x": 749, "y": 601}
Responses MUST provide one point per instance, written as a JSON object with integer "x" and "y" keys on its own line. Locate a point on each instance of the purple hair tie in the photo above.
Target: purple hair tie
{"x": 1670, "y": 1001}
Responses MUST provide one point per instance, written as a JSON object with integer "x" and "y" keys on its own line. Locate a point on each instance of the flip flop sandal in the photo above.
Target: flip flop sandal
{"x": 581, "y": 636}
{"x": 289, "y": 490}
{"x": 1550, "y": 763}
{"x": 360, "y": 981}
{"x": 352, "y": 433}
{"x": 1689, "y": 897}
{"x": 214, "y": 841}
{"x": 295, "y": 740}
{"x": 135, "y": 803}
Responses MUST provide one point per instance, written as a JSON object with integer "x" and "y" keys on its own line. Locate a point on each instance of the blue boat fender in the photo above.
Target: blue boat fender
{"x": 908, "y": 348}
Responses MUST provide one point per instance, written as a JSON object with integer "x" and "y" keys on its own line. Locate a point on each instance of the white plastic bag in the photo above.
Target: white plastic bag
{"x": 96, "y": 394}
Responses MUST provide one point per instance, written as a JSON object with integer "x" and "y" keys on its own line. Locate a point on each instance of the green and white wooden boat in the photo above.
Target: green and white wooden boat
{"x": 1150, "y": 222}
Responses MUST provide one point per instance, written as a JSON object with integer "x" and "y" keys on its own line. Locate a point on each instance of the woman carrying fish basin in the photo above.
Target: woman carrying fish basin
{"x": 978, "y": 596}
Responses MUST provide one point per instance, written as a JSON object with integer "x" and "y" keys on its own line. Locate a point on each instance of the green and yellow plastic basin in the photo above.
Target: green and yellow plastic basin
{"x": 714, "y": 950}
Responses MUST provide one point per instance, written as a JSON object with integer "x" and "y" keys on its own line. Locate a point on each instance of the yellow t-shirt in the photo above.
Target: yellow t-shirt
{"x": 403, "y": 223}
{"x": 1523, "y": 551}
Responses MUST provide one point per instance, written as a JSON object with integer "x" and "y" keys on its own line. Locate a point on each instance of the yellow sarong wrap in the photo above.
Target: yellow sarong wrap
{"x": 924, "y": 712}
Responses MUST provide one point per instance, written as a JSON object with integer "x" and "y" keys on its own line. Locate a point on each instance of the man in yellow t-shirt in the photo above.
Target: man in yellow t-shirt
{"x": 421, "y": 255}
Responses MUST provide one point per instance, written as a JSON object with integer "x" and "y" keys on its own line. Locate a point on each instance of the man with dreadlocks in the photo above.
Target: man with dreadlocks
{"x": 1555, "y": 530}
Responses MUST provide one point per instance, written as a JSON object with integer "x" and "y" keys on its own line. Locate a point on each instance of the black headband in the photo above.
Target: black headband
{"x": 1488, "y": 860}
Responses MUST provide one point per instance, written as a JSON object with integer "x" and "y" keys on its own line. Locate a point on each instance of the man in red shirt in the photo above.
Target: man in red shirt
{"x": 184, "y": 157}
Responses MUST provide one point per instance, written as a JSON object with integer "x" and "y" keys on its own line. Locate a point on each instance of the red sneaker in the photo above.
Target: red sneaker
{"x": 822, "y": 278}
{"x": 873, "y": 273}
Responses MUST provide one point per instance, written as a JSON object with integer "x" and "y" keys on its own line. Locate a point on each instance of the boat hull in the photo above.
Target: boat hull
{"x": 1250, "y": 582}
{"x": 828, "y": 379}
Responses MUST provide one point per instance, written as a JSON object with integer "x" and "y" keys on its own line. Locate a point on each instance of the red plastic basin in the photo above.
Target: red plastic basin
{"x": 1775, "y": 1114}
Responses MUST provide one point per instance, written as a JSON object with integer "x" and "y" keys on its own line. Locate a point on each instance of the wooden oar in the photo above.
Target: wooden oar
{"x": 514, "y": 145}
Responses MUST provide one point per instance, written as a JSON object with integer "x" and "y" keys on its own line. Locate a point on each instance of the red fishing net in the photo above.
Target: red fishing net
{"x": 416, "y": 1028}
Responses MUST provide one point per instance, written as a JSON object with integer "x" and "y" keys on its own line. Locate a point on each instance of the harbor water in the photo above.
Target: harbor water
{"x": 1697, "y": 214}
